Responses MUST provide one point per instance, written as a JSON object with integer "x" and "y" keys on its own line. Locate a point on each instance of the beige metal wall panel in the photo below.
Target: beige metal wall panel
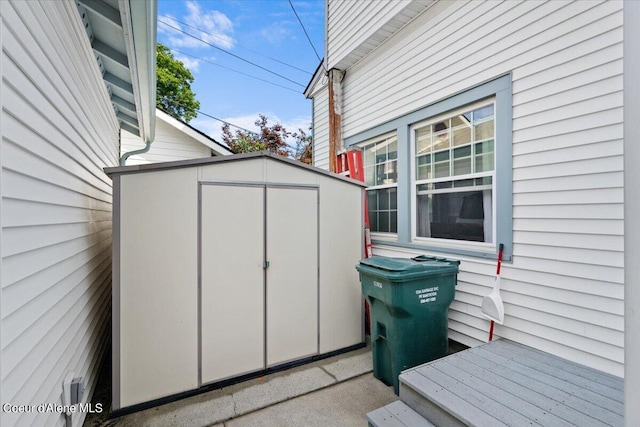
{"x": 284, "y": 173}
{"x": 292, "y": 274}
{"x": 253, "y": 235}
{"x": 341, "y": 245}
{"x": 158, "y": 285}
{"x": 232, "y": 282}
{"x": 252, "y": 170}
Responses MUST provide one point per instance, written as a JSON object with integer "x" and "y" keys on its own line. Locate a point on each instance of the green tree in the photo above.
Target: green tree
{"x": 173, "y": 90}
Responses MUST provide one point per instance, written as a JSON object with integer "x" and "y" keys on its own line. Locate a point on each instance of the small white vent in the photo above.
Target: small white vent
{"x": 85, "y": 21}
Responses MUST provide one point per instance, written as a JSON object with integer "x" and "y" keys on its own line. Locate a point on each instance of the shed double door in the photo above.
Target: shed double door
{"x": 258, "y": 277}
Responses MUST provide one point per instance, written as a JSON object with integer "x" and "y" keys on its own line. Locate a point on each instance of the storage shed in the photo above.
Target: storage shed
{"x": 229, "y": 267}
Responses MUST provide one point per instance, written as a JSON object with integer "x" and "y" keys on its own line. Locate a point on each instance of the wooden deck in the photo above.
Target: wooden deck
{"x": 504, "y": 383}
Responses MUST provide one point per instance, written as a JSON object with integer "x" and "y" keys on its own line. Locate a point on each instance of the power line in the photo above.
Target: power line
{"x": 236, "y": 71}
{"x": 232, "y": 54}
{"x": 226, "y": 122}
{"x": 244, "y": 47}
{"x": 177, "y": 104}
{"x": 305, "y": 30}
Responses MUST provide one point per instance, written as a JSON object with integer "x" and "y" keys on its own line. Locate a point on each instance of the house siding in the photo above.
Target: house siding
{"x": 357, "y": 27}
{"x": 632, "y": 206}
{"x": 58, "y": 132}
{"x": 321, "y": 125}
{"x": 169, "y": 144}
{"x": 563, "y": 291}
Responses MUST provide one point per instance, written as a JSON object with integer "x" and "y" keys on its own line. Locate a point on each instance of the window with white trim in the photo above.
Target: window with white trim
{"x": 380, "y": 159}
{"x": 454, "y": 177}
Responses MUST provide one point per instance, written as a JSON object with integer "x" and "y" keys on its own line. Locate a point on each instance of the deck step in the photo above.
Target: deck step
{"x": 414, "y": 394}
{"x": 507, "y": 384}
{"x": 396, "y": 414}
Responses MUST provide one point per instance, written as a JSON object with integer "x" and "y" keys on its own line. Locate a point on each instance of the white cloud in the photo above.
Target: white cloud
{"x": 276, "y": 33}
{"x": 217, "y": 28}
{"x": 192, "y": 64}
{"x": 294, "y": 124}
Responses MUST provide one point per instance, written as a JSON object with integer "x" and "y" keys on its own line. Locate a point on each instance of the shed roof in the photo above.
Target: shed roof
{"x": 150, "y": 167}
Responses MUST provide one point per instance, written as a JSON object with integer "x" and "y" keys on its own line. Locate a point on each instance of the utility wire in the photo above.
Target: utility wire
{"x": 236, "y": 71}
{"x": 250, "y": 50}
{"x": 232, "y": 54}
{"x": 177, "y": 104}
{"x": 305, "y": 31}
{"x": 227, "y": 123}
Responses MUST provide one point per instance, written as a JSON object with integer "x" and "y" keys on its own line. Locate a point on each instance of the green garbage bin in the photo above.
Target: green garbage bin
{"x": 409, "y": 300}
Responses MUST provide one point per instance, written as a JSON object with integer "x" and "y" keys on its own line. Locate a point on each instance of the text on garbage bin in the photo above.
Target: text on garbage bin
{"x": 427, "y": 294}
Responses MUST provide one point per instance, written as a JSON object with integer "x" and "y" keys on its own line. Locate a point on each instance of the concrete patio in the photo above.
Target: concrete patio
{"x": 338, "y": 391}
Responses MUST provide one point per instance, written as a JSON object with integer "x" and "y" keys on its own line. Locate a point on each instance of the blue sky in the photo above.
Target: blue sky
{"x": 252, "y": 30}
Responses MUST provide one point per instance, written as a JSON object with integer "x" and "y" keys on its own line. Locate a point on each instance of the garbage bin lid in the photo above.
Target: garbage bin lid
{"x": 422, "y": 263}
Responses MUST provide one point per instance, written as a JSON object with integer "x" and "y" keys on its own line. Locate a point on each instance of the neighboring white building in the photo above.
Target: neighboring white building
{"x": 174, "y": 140}
{"x": 494, "y": 122}
{"x": 318, "y": 91}
{"x": 73, "y": 74}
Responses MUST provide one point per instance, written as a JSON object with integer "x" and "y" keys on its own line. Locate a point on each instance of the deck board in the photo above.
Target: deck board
{"x": 449, "y": 401}
{"x": 597, "y": 406}
{"x": 521, "y": 387}
{"x": 382, "y": 417}
{"x": 406, "y": 415}
{"x": 507, "y": 383}
{"x": 397, "y": 414}
{"x": 589, "y": 378}
{"x": 530, "y": 405}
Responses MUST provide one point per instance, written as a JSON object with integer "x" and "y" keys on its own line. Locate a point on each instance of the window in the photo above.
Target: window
{"x": 453, "y": 160}
{"x": 455, "y": 175}
{"x": 380, "y": 169}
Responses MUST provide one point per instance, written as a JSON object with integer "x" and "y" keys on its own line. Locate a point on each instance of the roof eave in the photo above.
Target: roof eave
{"x": 139, "y": 22}
{"x": 319, "y": 73}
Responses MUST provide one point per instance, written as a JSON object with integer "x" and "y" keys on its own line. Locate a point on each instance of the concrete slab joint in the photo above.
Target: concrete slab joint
{"x": 220, "y": 406}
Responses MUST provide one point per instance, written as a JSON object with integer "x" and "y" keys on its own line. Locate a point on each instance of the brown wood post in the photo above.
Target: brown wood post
{"x": 335, "y": 115}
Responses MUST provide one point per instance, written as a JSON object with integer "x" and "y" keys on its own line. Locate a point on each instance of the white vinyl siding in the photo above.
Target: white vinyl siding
{"x": 357, "y": 27}
{"x": 169, "y": 144}
{"x": 58, "y": 132}
{"x": 321, "y": 128}
{"x": 563, "y": 292}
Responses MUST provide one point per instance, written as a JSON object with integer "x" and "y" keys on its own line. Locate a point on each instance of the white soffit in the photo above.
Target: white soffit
{"x": 412, "y": 9}
{"x": 123, "y": 37}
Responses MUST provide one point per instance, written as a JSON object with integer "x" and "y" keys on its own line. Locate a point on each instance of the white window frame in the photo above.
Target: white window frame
{"x": 381, "y": 235}
{"x": 450, "y": 243}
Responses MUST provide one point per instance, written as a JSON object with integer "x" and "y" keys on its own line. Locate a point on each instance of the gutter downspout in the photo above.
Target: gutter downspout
{"x": 335, "y": 115}
{"x": 125, "y": 156}
{"x": 139, "y": 24}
